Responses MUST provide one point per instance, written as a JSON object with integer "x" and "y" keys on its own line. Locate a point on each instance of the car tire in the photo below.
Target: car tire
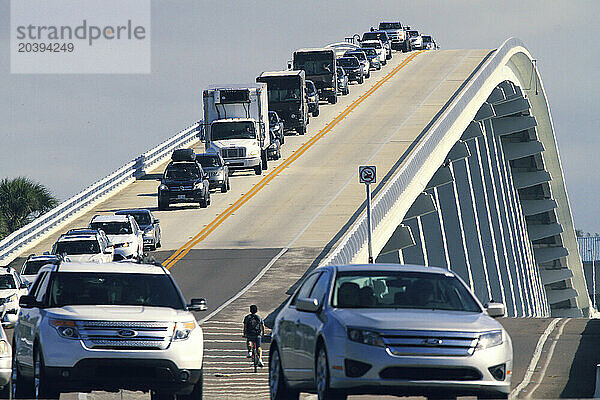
{"x": 316, "y": 112}
{"x": 224, "y": 187}
{"x": 324, "y": 392}
{"x": 361, "y": 80}
{"x": 368, "y": 74}
{"x": 258, "y": 169}
{"x": 379, "y": 67}
{"x": 301, "y": 130}
{"x": 278, "y": 388}
{"x": 333, "y": 99}
{"x": 204, "y": 202}
{"x": 162, "y": 204}
{"x": 22, "y": 388}
{"x": 346, "y": 91}
{"x": 42, "y": 387}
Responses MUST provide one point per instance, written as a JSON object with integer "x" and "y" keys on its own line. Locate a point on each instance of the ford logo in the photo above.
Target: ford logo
{"x": 127, "y": 333}
{"x": 432, "y": 342}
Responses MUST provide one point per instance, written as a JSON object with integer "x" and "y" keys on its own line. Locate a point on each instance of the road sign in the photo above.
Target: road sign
{"x": 366, "y": 174}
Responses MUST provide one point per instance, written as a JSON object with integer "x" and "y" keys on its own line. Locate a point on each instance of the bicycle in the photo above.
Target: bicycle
{"x": 255, "y": 358}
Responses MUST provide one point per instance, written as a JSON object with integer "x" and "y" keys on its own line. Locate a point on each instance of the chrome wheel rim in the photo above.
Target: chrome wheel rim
{"x": 321, "y": 374}
{"x": 274, "y": 374}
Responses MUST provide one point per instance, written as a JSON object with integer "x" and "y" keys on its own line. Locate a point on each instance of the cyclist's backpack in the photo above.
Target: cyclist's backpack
{"x": 253, "y": 326}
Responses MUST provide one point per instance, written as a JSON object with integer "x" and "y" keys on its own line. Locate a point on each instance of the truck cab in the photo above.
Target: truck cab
{"x": 287, "y": 96}
{"x": 236, "y": 119}
{"x": 319, "y": 65}
{"x": 397, "y": 35}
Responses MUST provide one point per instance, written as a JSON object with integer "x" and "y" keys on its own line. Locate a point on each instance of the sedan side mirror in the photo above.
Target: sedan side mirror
{"x": 156, "y": 221}
{"x": 308, "y": 305}
{"x": 28, "y": 301}
{"x": 24, "y": 285}
{"x": 495, "y": 310}
{"x": 197, "y": 305}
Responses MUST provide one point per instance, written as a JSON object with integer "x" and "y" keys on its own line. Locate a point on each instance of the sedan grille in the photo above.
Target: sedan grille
{"x": 234, "y": 152}
{"x": 123, "y": 335}
{"x": 430, "y": 343}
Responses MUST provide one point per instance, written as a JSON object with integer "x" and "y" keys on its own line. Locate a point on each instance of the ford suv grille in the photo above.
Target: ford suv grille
{"x": 123, "y": 335}
{"x": 430, "y": 343}
{"x": 234, "y": 152}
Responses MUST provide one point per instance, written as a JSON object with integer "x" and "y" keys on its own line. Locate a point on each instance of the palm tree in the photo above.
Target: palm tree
{"x": 21, "y": 201}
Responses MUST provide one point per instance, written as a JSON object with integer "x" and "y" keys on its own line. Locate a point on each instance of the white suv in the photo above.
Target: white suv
{"x": 125, "y": 326}
{"x": 11, "y": 290}
{"x": 379, "y": 48}
{"x": 124, "y": 234}
{"x": 84, "y": 246}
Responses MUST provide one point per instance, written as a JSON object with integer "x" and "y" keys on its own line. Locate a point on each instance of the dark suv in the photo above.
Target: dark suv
{"x": 183, "y": 182}
{"x": 353, "y": 68}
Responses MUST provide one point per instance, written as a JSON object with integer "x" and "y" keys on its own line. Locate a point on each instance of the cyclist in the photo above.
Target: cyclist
{"x": 254, "y": 329}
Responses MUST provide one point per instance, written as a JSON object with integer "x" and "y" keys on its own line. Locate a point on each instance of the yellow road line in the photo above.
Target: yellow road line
{"x": 183, "y": 250}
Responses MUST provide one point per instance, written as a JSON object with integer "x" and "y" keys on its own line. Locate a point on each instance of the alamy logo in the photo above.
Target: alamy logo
{"x": 80, "y": 36}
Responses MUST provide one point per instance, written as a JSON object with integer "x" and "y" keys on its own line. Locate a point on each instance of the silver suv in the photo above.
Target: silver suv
{"x": 119, "y": 326}
{"x": 396, "y": 329}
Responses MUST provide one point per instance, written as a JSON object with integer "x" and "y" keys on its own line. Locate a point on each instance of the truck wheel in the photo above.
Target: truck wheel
{"x": 258, "y": 169}
{"x": 163, "y": 204}
{"x": 301, "y": 130}
{"x": 224, "y": 187}
{"x": 333, "y": 99}
{"x": 263, "y": 156}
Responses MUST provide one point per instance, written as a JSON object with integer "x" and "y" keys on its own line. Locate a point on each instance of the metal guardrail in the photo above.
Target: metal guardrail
{"x": 69, "y": 208}
{"x": 356, "y": 238}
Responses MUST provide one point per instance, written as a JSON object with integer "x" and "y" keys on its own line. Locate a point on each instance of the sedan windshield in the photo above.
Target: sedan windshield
{"x": 142, "y": 219}
{"x": 358, "y": 54}
{"x": 232, "y": 130}
{"x": 118, "y": 289}
{"x": 209, "y": 161}
{"x": 7, "y": 282}
{"x": 398, "y": 289}
{"x": 77, "y": 247}
{"x": 113, "y": 228}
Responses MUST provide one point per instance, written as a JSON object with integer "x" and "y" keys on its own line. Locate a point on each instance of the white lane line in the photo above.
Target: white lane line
{"x": 245, "y": 288}
{"x": 223, "y": 341}
{"x": 242, "y": 351}
{"x": 217, "y": 322}
{"x": 542, "y": 372}
{"x": 534, "y": 360}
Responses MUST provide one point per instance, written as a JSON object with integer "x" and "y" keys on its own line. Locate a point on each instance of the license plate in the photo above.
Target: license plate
{"x": 181, "y": 196}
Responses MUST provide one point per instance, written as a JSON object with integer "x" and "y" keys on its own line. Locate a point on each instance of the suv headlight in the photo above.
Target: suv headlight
{"x": 163, "y": 187}
{"x": 365, "y": 336}
{"x": 183, "y": 330}
{"x": 489, "y": 339}
{"x": 65, "y": 328}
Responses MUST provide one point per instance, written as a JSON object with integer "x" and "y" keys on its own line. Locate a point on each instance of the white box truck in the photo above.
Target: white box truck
{"x": 236, "y": 124}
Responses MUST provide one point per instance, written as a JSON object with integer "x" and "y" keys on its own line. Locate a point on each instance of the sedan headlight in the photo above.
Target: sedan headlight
{"x": 365, "y": 336}
{"x": 489, "y": 339}
{"x": 163, "y": 187}
{"x": 183, "y": 330}
{"x": 65, "y": 328}
{"x": 4, "y": 348}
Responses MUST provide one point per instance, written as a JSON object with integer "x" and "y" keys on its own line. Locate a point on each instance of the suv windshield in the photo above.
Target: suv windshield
{"x": 375, "y": 35}
{"x": 348, "y": 62}
{"x": 398, "y": 289}
{"x": 208, "y": 161}
{"x": 119, "y": 289}
{"x": 232, "y": 130}
{"x": 113, "y": 228}
{"x": 358, "y": 54}
{"x": 182, "y": 172}
{"x": 7, "y": 282}
{"x": 77, "y": 247}
{"x": 32, "y": 267}
{"x": 369, "y": 51}
{"x": 389, "y": 25}
{"x": 142, "y": 219}
{"x": 374, "y": 45}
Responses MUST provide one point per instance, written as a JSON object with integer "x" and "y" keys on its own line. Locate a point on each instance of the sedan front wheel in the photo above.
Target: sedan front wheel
{"x": 278, "y": 388}
{"x": 322, "y": 379}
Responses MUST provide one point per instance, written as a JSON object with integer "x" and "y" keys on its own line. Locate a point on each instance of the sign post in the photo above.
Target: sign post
{"x": 367, "y": 175}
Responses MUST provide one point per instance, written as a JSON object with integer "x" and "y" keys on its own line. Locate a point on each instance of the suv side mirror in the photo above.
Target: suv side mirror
{"x": 289, "y": 65}
{"x": 28, "y": 301}
{"x": 495, "y": 310}
{"x": 24, "y": 285}
{"x": 156, "y": 221}
{"x": 197, "y": 305}
{"x": 308, "y": 305}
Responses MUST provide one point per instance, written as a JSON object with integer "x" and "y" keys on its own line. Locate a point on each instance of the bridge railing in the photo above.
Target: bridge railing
{"x": 356, "y": 238}
{"x": 68, "y": 209}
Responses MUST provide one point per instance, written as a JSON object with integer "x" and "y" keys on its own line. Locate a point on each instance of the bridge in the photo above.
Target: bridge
{"x": 469, "y": 178}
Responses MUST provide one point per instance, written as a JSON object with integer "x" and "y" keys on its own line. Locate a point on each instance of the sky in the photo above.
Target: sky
{"x": 67, "y": 131}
